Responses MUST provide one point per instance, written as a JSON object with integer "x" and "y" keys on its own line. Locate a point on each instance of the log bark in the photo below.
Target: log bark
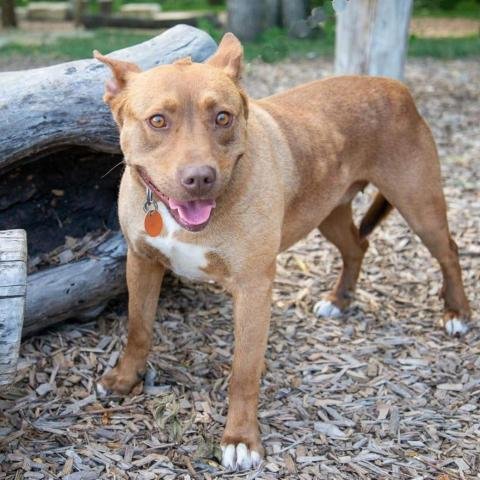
{"x": 76, "y": 289}
{"x": 372, "y": 37}
{"x": 13, "y": 274}
{"x": 49, "y": 108}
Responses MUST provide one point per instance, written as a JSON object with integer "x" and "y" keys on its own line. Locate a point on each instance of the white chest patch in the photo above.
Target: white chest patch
{"x": 186, "y": 259}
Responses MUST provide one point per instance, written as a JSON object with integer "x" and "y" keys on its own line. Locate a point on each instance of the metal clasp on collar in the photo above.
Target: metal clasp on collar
{"x": 150, "y": 204}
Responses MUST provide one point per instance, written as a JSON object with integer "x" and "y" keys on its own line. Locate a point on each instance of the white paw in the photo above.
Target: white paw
{"x": 324, "y": 308}
{"x": 240, "y": 457}
{"x": 455, "y": 326}
{"x": 101, "y": 390}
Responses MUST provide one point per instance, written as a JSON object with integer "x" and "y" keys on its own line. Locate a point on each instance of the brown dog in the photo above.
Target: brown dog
{"x": 237, "y": 181}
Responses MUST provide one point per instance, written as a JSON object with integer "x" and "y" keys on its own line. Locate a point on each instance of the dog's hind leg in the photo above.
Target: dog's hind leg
{"x": 414, "y": 188}
{"x": 339, "y": 229}
{"x": 425, "y": 212}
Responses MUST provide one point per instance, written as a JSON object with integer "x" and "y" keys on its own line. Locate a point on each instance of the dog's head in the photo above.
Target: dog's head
{"x": 182, "y": 127}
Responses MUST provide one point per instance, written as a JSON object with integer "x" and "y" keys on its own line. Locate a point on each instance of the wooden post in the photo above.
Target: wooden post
{"x": 78, "y": 11}
{"x": 13, "y": 276}
{"x": 293, "y": 11}
{"x": 272, "y": 13}
{"x": 9, "y": 19}
{"x": 106, "y": 7}
{"x": 246, "y": 18}
{"x": 372, "y": 37}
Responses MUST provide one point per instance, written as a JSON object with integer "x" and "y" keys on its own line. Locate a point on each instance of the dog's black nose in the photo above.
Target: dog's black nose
{"x": 198, "y": 180}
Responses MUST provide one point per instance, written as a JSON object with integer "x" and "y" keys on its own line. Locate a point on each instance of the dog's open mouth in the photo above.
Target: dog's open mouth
{"x": 192, "y": 215}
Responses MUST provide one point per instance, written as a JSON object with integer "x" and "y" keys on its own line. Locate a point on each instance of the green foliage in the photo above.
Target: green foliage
{"x": 444, "y": 48}
{"x": 189, "y": 5}
{"x": 447, "y": 8}
{"x": 211, "y": 29}
{"x": 467, "y": 8}
{"x": 167, "y": 5}
{"x": 71, "y": 48}
{"x": 274, "y": 45}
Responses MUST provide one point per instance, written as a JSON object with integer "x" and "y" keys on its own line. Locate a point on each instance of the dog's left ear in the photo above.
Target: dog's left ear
{"x": 229, "y": 56}
{"x": 121, "y": 71}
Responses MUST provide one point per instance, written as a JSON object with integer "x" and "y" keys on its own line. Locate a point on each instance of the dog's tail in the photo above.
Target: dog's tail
{"x": 378, "y": 210}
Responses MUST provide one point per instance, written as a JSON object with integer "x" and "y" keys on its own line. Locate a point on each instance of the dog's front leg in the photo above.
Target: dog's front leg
{"x": 144, "y": 279}
{"x": 241, "y": 445}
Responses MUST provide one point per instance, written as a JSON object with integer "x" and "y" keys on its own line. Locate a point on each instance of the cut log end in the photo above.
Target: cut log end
{"x": 13, "y": 276}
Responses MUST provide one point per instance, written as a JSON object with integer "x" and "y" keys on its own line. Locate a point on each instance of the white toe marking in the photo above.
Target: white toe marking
{"x": 324, "y": 308}
{"x": 456, "y": 326}
{"x": 244, "y": 462}
{"x": 101, "y": 390}
{"x": 256, "y": 459}
{"x": 228, "y": 457}
{"x": 240, "y": 457}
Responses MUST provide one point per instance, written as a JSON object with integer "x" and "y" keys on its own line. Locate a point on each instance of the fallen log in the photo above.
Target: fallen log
{"x": 58, "y": 109}
{"x": 76, "y": 289}
{"x": 61, "y": 105}
{"x": 13, "y": 272}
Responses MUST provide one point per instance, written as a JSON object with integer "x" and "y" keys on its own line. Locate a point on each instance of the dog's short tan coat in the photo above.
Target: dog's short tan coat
{"x": 287, "y": 164}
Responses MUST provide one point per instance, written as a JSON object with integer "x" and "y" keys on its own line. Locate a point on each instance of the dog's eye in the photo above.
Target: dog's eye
{"x": 223, "y": 119}
{"x": 157, "y": 121}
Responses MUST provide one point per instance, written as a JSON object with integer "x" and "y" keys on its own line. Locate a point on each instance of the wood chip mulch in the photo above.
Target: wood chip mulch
{"x": 381, "y": 393}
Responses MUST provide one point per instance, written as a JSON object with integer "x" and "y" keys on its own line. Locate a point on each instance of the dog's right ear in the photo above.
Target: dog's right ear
{"x": 121, "y": 71}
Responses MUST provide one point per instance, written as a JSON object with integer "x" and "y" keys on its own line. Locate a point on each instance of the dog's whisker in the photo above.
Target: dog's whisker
{"x": 113, "y": 168}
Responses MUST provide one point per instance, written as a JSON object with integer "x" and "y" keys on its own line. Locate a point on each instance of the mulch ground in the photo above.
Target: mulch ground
{"x": 380, "y": 393}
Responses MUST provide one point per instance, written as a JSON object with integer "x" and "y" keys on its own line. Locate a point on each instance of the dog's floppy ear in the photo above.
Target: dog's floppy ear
{"x": 121, "y": 71}
{"x": 229, "y": 56}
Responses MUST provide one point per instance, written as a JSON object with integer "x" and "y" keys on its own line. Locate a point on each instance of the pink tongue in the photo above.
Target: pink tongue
{"x": 194, "y": 212}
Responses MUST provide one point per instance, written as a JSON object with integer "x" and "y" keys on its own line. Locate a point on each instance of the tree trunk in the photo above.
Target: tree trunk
{"x": 273, "y": 13}
{"x": 13, "y": 273}
{"x": 78, "y": 8}
{"x": 48, "y": 108}
{"x": 246, "y": 18}
{"x": 106, "y": 7}
{"x": 293, "y": 11}
{"x": 372, "y": 37}
{"x": 9, "y": 19}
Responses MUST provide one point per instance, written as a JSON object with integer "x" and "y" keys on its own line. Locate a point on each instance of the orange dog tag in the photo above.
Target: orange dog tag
{"x": 153, "y": 223}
